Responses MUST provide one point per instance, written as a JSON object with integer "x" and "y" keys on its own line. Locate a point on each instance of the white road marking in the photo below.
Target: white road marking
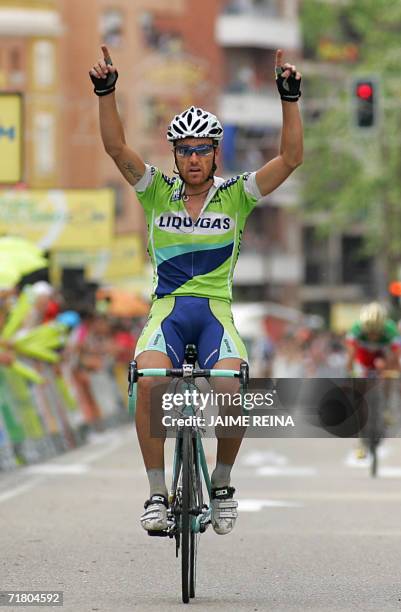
{"x": 14, "y": 492}
{"x": 271, "y": 463}
{"x": 351, "y": 459}
{"x": 289, "y": 470}
{"x": 116, "y": 440}
{"x": 255, "y": 505}
{"x": 259, "y": 458}
{"x": 108, "y": 441}
{"x": 389, "y": 471}
{"x": 341, "y": 496}
{"x": 58, "y": 469}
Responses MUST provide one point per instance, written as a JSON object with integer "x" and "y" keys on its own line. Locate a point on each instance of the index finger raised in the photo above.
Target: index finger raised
{"x": 106, "y": 55}
{"x": 279, "y": 58}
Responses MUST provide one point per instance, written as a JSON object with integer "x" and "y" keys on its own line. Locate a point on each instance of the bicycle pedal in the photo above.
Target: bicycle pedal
{"x": 158, "y": 534}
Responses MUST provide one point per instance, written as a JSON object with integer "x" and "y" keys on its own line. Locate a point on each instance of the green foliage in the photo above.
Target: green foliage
{"x": 314, "y": 21}
{"x": 354, "y": 175}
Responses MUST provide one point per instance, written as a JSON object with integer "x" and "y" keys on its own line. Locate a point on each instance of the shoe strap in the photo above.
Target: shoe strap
{"x": 156, "y": 499}
{"x": 223, "y": 493}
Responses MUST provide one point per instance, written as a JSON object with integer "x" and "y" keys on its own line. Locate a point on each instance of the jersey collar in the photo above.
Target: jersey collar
{"x": 217, "y": 182}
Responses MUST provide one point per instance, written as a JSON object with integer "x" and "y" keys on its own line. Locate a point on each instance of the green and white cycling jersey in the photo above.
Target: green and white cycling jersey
{"x": 195, "y": 258}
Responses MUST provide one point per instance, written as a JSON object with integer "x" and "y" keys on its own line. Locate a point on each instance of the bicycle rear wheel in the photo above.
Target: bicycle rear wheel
{"x": 187, "y": 462}
{"x": 373, "y": 465}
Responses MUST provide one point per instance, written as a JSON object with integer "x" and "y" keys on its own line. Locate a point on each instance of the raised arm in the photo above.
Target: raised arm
{"x": 272, "y": 174}
{"x": 104, "y": 76}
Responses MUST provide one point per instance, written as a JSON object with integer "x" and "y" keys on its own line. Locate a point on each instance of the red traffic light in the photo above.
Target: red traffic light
{"x": 365, "y": 102}
{"x": 364, "y": 90}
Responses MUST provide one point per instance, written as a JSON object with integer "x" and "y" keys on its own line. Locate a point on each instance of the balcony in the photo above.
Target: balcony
{"x": 281, "y": 268}
{"x": 253, "y": 29}
{"x": 334, "y": 293}
{"x": 29, "y": 22}
{"x": 250, "y": 109}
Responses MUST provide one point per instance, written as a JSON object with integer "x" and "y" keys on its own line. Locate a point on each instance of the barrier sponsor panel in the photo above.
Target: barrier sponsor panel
{"x": 59, "y": 219}
{"x": 39, "y": 421}
{"x": 122, "y": 259}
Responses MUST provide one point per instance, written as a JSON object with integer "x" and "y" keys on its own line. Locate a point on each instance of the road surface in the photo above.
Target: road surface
{"x": 315, "y": 532}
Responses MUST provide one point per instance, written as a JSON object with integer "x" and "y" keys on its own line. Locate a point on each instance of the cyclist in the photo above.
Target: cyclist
{"x": 195, "y": 223}
{"x": 373, "y": 343}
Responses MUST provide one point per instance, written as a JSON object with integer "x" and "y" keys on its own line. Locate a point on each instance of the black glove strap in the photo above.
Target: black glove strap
{"x": 106, "y": 86}
{"x": 289, "y": 89}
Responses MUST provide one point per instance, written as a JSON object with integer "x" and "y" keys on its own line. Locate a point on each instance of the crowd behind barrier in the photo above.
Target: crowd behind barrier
{"x": 63, "y": 374}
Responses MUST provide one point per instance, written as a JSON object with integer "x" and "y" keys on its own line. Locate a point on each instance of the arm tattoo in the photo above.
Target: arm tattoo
{"x": 132, "y": 171}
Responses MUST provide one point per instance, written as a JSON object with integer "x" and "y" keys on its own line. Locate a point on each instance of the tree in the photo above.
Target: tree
{"x": 352, "y": 175}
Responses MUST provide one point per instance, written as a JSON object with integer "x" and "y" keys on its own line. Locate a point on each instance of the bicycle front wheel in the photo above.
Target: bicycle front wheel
{"x": 197, "y": 502}
{"x": 187, "y": 463}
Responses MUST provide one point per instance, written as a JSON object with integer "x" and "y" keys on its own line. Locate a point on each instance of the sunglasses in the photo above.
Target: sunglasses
{"x": 202, "y": 150}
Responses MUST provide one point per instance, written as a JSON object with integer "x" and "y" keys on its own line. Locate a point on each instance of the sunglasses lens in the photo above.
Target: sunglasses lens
{"x": 204, "y": 149}
{"x": 201, "y": 150}
{"x": 181, "y": 151}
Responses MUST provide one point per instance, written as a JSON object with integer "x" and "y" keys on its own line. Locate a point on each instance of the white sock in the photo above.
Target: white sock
{"x": 157, "y": 482}
{"x": 221, "y": 475}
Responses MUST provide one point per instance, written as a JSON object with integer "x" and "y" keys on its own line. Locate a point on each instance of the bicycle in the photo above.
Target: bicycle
{"x": 188, "y": 514}
{"x": 376, "y": 423}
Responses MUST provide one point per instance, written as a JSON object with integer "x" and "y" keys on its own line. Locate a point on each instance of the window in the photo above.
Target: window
{"x": 357, "y": 267}
{"x": 16, "y": 72}
{"x": 316, "y": 258}
{"x": 15, "y": 58}
{"x": 111, "y": 27}
{"x": 44, "y": 128}
{"x": 264, "y": 7}
{"x": 44, "y": 63}
{"x": 170, "y": 42}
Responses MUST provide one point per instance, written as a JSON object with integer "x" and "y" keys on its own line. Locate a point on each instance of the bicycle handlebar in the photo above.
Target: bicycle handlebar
{"x": 187, "y": 371}
{"x": 198, "y": 373}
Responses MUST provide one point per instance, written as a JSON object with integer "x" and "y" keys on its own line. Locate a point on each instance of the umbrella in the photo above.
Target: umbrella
{"x": 21, "y": 262}
{"x": 17, "y": 258}
{"x": 8, "y": 278}
{"x": 123, "y": 303}
{"x": 12, "y": 244}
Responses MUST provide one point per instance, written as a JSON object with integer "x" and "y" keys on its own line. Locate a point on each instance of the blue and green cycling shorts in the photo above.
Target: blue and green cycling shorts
{"x": 177, "y": 321}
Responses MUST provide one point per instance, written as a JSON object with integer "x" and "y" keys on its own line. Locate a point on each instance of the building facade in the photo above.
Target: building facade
{"x": 170, "y": 54}
{"x": 30, "y": 34}
{"x": 249, "y": 32}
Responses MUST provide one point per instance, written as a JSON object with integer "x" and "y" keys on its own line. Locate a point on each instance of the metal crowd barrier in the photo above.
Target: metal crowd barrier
{"x": 38, "y": 422}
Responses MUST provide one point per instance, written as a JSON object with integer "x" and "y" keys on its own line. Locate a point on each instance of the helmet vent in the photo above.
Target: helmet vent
{"x": 202, "y": 127}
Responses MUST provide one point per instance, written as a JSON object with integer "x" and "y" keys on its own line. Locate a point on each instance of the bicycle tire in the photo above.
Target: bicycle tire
{"x": 185, "y": 512}
{"x": 373, "y": 465}
{"x": 197, "y": 501}
{"x": 375, "y": 431}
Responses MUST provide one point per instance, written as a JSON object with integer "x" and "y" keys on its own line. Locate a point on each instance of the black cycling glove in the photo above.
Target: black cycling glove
{"x": 103, "y": 87}
{"x": 289, "y": 89}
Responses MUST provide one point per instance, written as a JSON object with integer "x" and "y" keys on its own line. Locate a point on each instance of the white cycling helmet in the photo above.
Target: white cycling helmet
{"x": 373, "y": 317}
{"x": 194, "y": 123}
